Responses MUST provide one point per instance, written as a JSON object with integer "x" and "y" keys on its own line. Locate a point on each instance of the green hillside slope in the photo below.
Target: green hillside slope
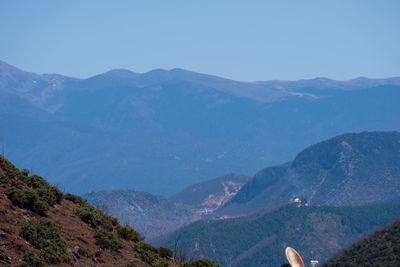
{"x": 379, "y": 249}
{"x": 41, "y": 226}
{"x": 316, "y": 232}
{"x": 349, "y": 169}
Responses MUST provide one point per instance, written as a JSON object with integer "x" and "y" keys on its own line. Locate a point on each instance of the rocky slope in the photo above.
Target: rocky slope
{"x": 39, "y": 225}
{"x": 211, "y": 194}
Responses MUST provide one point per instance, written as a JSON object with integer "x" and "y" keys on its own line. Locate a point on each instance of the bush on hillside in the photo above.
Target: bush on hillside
{"x": 200, "y": 263}
{"x": 35, "y": 181}
{"x": 161, "y": 263}
{"x": 50, "y": 194}
{"x": 95, "y": 218}
{"x": 165, "y": 252}
{"x": 128, "y": 233}
{"x": 85, "y": 252}
{"x": 27, "y": 200}
{"x": 16, "y": 196}
{"x": 112, "y": 220}
{"x": 3, "y": 178}
{"x": 108, "y": 240}
{"x": 32, "y": 260}
{"x": 76, "y": 199}
{"x": 129, "y": 264}
{"x": 147, "y": 253}
{"x": 45, "y": 236}
{"x": 9, "y": 169}
{"x": 34, "y": 203}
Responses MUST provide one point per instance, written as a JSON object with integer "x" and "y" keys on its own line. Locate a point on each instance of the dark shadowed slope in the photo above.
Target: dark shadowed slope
{"x": 381, "y": 248}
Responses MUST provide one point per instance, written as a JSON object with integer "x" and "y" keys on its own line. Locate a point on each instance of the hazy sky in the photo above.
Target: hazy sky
{"x": 242, "y": 40}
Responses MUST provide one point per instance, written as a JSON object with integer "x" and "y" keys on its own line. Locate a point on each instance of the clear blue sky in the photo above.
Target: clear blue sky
{"x": 242, "y": 40}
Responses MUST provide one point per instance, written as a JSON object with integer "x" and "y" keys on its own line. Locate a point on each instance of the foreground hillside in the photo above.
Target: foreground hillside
{"x": 154, "y": 216}
{"x": 349, "y": 169}
{"x": 379, "y": 249}
{"x": 39, "y": 226}
{"x": 175, "y": 128}
{"x": 315, "y": 232}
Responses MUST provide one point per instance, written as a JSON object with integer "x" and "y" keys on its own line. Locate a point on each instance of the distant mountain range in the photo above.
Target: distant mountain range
{"x": 162, "y": 131}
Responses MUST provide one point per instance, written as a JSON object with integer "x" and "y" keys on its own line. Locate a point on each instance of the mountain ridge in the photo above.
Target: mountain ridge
{"x": 177, "y": 132}
{"x": 349, "y": 169}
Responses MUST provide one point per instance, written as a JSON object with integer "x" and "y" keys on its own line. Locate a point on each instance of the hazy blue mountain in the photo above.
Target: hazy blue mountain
{"x": 162, "y": 130}
{"x": 211, "y": 194}
{"x": 150, "y": 215}
{"x": 156, "y": 216}
{"x": 350, "y": 169}
{"x": 315, "y": 232}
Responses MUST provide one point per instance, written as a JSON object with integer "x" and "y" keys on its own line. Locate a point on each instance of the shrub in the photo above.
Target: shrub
{"x": 94, "y": 217}
{"x": 47, "y": 195}
{"x": 16, "y": 196}
{"x": 56, "y": 252}
{"x": 76, "y": 199}
{"x": 129, "y": 264}
{"x": 31, "y": 260}
{"x": 46, "y": 237}
{"x": 161, "y": 263}
{"x": 108, "y": 240}
{"x": 36, "y": 181}
{"x": 147, "y": 253}
{"x": 85, "y": 252}
{"x": 3, "y": 178}
{"x": 112, "y": 220}
{"x": 27, "y": 199}
{"x": 128, "y": 233}
{"x": 24, "y": 172}
{"x": 165, "y": 252}
{"x": 34, "y": 203}
{"x": 57, "y": 193}
{"x": 50, "y": 194}
{"x": 40, "y": 234}
{"x": 10, "y": 170}
{"x": 200, "y": 263}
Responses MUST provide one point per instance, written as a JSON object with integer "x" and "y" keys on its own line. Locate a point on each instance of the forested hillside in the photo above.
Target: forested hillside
{"x": 381, "y": 248}
{"x": 349, "y": 169}
{"x": 315, "y": 232}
